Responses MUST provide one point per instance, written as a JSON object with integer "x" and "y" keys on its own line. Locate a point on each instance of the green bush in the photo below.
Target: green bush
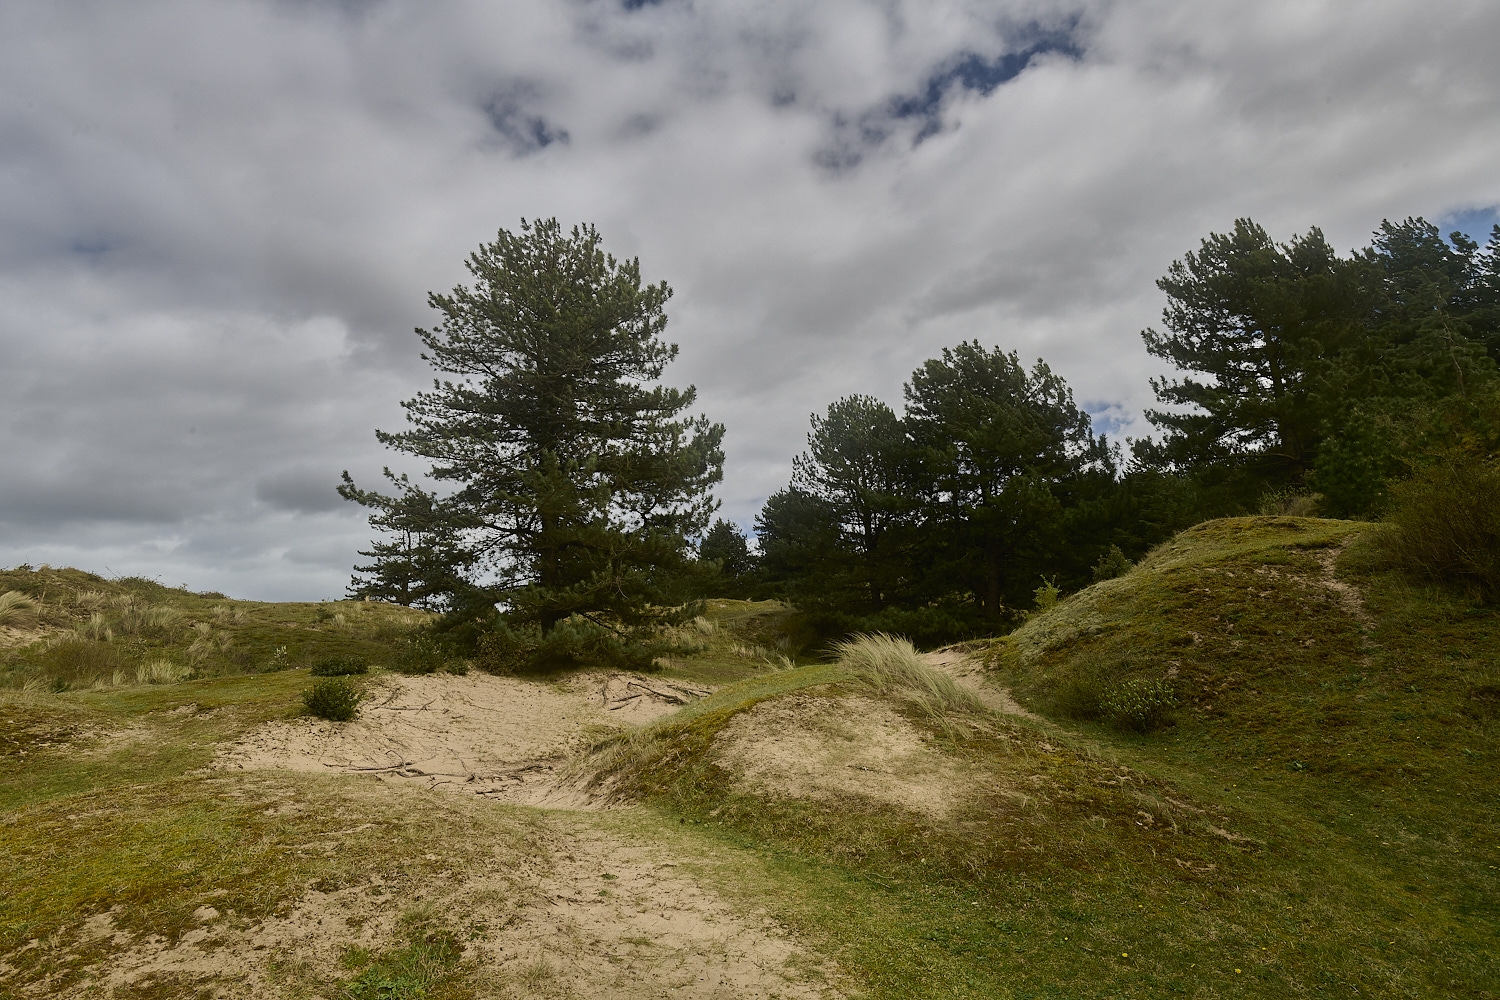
{"x": 1047, "y": 595}
{"x": 574, "y": 642}
{"x": 339, "y": 666}
{"x": 421, "y": 653}
{"x": 1446, "y": 522}
{"x": 334, "y": 698}
{"x": 1139, "y": 705}
{"x": 1111, "y": 564}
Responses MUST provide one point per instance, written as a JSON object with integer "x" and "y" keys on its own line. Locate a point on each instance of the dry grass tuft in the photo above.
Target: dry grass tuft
{"x": 16, "y": 609}
{"x": 161, "y": 671}
{"x": 889, "y": 664}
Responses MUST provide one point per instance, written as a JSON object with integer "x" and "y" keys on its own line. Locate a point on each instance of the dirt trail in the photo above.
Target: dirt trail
{"x": 968, "y": 670}
{"x": 591, "y": 910}
{"x": 596, "y": 914}
{"x": 499, "y": 737}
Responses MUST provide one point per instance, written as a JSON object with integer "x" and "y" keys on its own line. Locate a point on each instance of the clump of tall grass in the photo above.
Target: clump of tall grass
{"x": 150, "y": 620}
{"x": 161, "y": 671}
{"x": 16, "y": 609}
{"x": 889, "y": 664}
{"x": 91, "y": 600}
{"x": 209, "y": 642}
{"x": 97, "y": 628}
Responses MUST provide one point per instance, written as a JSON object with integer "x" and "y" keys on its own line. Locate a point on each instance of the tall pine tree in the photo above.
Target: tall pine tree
{"x": 575, "y": 480}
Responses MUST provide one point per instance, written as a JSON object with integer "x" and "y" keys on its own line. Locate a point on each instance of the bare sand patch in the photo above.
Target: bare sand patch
{"x": 968, "y": 670}
{"x": 806, "y": 746}
{"x": 594, "y": 914}
{"x": 501, "y": 737}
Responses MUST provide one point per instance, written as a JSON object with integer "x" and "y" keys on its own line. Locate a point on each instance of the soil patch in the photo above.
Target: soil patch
{"x": 501, "y": 737}
{"x": 968, "y": 670}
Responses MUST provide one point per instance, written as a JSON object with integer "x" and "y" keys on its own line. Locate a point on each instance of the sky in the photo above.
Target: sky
{"x": 219, "y": 221}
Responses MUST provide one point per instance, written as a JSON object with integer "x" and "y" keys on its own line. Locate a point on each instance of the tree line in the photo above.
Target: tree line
{"x": 570, "y": 495}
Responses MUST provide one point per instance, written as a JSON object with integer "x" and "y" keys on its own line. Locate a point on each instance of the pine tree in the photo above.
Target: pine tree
{"x": 575, "y": 480}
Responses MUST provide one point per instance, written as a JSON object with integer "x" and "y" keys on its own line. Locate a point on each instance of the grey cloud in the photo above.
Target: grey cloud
{"x": 218, "y": 223}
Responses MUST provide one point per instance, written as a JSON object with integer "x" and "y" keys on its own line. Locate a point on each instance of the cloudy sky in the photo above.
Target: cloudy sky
{"x": 219, "y": 219}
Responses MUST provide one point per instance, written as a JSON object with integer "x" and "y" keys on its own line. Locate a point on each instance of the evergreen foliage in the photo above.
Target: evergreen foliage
{"x": 726, "y": 547}
{"x": 573, "y": 478}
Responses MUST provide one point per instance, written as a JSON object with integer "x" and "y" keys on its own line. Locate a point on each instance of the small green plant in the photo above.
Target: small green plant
{"x": 419, "y": 654}
{"x": 279, "y": 661}
{"x": 1047, "y": 595}
{"x": 333, "y": 698}
{"x": 339, "y": 666}
{"x": 1139, "y": 705}
{"x": 431, "y": 957}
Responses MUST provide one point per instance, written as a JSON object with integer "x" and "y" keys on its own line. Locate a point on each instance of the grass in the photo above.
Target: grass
{"x": 83, "y": 631}
{"x": 428, "y": 960}
{"x": 1315, "y": 817}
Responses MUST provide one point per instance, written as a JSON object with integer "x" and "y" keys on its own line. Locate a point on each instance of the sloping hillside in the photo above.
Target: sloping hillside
{"x": 1260, "y": 764}
{"x": 1264, "y": 767}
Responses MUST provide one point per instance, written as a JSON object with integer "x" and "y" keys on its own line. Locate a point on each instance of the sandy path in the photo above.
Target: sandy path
{"x": 500, "y": 737}
{"x": 594, "y": 910}
{"x": 968, "y": 671}
{"x": 596, "y": 914}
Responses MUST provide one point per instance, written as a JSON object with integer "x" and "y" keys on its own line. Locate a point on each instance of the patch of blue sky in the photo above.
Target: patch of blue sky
{"x": 978, "y": 74}
{"x": 1108, "y": 419}
{"x": 1475, "y": 223}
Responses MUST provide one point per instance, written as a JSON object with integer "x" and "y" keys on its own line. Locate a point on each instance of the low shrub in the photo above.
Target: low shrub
{"x": 1139, "y": 705}
{"x": 1446, "y": 522}
{"x": 334, "y": 698}
{"x": 419, "y": 654}
{"x": 574, "y": 642}
{"x": 1111, "y": 564}
{"x": 339, "y": 666}
{"x": 1047, "y": 595}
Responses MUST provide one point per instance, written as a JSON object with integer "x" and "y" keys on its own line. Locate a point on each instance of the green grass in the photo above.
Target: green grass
{"x": 1317, "y": 818}
{"x": 92, "y": 632}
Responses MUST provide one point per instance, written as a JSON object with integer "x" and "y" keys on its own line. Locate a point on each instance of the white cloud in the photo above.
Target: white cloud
{"x": 218, "y": 222}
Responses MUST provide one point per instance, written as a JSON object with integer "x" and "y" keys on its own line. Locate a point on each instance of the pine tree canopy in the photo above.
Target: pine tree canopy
{"x": 574, "y": 480}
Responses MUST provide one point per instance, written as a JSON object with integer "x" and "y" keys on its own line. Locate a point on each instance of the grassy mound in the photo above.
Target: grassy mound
{"x": 65, "y": 629}
{"x": 1267, "y": 770}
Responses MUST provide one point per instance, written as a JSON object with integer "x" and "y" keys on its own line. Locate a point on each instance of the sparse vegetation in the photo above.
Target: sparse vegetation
{"x": 429, "y": 958}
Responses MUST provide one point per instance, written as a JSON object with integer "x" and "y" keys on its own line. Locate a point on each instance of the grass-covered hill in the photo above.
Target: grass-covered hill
{"x": 1264, "y": 766}
{"x": 66, "y": 629}
{"x": 1262, "y": 763}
